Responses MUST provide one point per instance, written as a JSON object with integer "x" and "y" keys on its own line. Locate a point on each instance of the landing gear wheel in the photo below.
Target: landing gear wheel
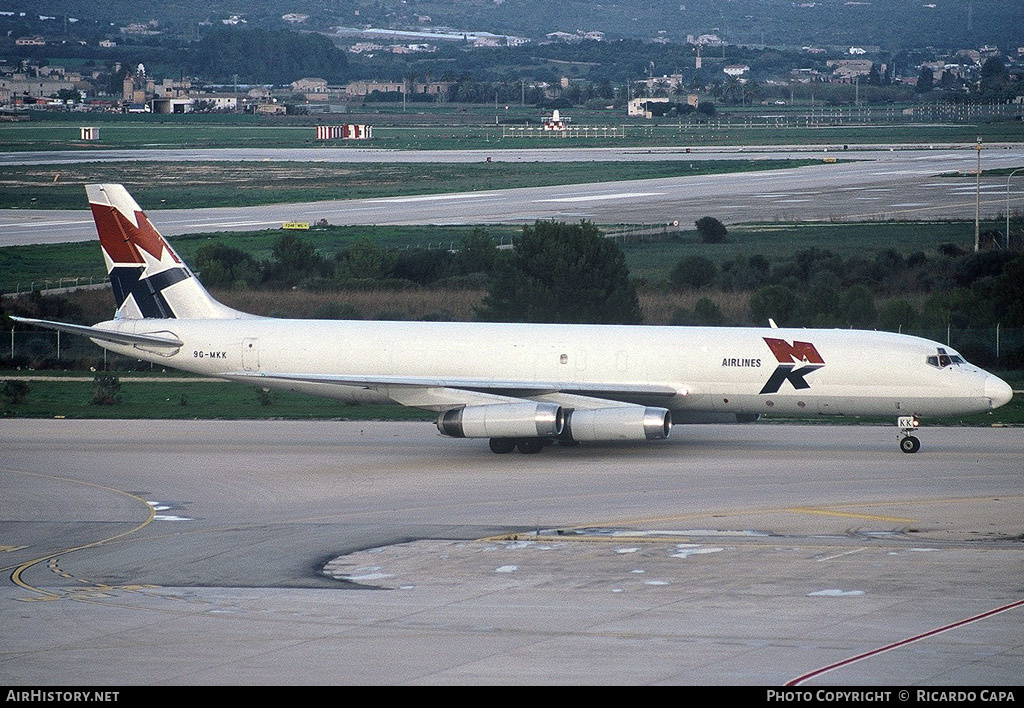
{"x": 910, "y": 444}
{"x": 502, "y": 446}
{"x": 530, "y": 446}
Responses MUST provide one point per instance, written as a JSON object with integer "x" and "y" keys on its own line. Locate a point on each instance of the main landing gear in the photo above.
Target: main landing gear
{"x": 908, "y": 424}
{"x": 527, "y": 446}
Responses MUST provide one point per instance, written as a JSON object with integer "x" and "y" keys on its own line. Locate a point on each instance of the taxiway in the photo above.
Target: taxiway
{"x": 214, "y": 552}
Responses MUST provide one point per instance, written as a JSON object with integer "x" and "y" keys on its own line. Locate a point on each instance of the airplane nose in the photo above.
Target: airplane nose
{"x": 997, "y": 391}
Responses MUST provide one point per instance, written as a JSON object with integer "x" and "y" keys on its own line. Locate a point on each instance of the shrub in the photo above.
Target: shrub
{"x": 693, "y": 273}
{"x": 106, "y": 390}
{"x": 711, "y": 230}
{"x": 15, "y": 391}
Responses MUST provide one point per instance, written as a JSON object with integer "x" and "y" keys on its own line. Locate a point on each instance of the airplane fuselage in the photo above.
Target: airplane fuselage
{"x": 708, "y": 369}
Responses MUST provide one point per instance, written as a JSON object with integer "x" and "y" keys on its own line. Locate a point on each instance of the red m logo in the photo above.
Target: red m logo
{"x": 797, "y": 352}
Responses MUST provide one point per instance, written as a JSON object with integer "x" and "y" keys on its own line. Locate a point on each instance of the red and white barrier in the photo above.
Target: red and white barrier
{"x": 348, "y": 131}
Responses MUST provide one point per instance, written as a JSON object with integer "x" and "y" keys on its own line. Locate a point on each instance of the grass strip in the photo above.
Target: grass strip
{"x": 198, "y": 185}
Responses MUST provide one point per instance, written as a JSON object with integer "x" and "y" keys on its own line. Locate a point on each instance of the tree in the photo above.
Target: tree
{"x": 1004, "y": 294}
{"x": 925, "y": 80}
{"x": 874, "y": 77}
{"x": 295, "y": 259}
{"x": 562, "y": 273}
{"x": 707, "y": 312}
{"x": 706, "y": 108}
{"x": 221, "y": 265}
{"x": 477, "y": 253}
{"x": 258, "y": 55}
{"x": 994, "y": 77}
{"x": 857, "y": 307}
{"x": 745, "y": 273}
{"x": 365, "y": 259}
{"x": 693, "y": 273}
{"x": 896, "y": 316}
{"x": 773, "y": 301}
{"x": 710, "y": 230}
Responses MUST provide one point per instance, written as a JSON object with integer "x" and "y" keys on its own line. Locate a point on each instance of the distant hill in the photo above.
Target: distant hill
{"x": 889, "y": 24}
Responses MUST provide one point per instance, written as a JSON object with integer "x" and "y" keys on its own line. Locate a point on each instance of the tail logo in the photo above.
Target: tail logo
{"x": 140, "y": 263}
{"x": 789, "y": 356}
{"x": 146, "y": 291}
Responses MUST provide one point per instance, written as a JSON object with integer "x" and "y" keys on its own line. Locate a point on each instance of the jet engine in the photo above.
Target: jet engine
{"x": 618, "y": 423}
{"x": 503, "y": 420}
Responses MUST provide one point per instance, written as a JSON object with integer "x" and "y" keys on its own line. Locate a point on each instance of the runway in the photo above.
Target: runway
{"x": 878, "y": 184}
{"x": 351, "y": 154}
{"x": 219, "y": 552}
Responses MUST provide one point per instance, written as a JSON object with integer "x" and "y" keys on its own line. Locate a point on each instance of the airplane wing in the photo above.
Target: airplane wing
{"x": 105, "y": 335}
{"x": 444, "y": 393}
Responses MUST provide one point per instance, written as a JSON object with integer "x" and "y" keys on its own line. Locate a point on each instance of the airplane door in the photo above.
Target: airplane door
{"x": 250, "y": 354}
{"x": 581, "y": 364}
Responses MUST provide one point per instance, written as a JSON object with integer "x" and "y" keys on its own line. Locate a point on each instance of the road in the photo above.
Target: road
{"x": 881, "y": 184}
{"x": 219, "y": 552}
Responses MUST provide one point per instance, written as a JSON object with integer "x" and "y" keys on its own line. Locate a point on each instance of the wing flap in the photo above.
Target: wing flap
{"x": 443, "y": 393}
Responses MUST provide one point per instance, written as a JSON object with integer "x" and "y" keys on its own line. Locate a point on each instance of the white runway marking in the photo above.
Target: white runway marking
{"x": 430, "y": 198}
{"x": 601, "y": 197}
{"x": 224, "y": 224}
{"x": 34, "y": 224}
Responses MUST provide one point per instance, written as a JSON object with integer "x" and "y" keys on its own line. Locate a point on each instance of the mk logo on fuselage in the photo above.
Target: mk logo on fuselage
{"x": 790, "y": 356}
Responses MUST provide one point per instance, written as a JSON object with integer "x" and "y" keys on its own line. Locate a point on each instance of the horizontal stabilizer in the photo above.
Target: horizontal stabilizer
{"x": 105, "y": 335}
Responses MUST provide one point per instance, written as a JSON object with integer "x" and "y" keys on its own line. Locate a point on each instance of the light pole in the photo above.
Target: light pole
{"x": 977, "y": 199}
{"x": 1019, "y": 169}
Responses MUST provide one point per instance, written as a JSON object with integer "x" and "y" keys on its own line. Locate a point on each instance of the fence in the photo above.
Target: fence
{"x": 990, "y": 346}
{"x": 998, "y": 347}
{"x": 827, "y": 115}
{"x": 570, "y": 131}
{"x": 51, "y": 284}
{"x": 40, "y": 349}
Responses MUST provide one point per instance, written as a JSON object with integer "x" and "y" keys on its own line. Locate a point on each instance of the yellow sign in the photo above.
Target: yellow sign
{"x": 299, "y": 225}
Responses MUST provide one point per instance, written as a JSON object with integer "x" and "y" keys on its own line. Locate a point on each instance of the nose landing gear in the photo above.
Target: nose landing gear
{"x": 908, "y": 424}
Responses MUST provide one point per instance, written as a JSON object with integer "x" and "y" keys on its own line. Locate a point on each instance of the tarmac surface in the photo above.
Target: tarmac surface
{"x": 868, "y": 183}
{"x": 221, "y": 552}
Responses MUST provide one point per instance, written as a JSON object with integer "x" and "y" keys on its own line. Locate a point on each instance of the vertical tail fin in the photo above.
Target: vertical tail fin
{"x": 148, "y": 277}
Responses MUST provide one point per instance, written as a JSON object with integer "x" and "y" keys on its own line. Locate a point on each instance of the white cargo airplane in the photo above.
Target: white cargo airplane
{"x": 521, "y": 385}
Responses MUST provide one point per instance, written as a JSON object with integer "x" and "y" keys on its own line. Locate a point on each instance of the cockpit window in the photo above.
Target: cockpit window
{"x": 944, "y": 359}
